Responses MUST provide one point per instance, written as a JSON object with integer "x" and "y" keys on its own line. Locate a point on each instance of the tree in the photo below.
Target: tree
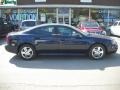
{"x": 9, "y": 1}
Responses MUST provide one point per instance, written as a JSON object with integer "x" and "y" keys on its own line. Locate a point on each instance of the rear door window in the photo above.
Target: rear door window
{"x": 90, "y": 24}
{"x": 43, "y": 31}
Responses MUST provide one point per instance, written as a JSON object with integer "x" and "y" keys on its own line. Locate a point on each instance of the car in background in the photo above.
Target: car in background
{"x": 5, "y": 27}
{"x": 105, "y": 27}
{"x": 91, "y": 26}
{"x": 115, "y": 28}
{"x": 58, "y": 39}
{"x": 25, "y": 24}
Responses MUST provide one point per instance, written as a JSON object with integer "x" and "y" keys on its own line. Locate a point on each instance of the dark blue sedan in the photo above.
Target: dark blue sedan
{"x": 58, "y": 38}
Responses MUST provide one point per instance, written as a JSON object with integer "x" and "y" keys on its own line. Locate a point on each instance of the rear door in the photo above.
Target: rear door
{"x": 45, "y": 39}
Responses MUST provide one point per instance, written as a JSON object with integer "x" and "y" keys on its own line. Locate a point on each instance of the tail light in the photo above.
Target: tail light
{"x": 8, "y": 39}
{"x": 82, "y": 28}
{"x": 100, "y": 28}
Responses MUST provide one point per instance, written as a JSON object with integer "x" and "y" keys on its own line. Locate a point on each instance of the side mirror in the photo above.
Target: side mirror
{"x": 77, "y": 35}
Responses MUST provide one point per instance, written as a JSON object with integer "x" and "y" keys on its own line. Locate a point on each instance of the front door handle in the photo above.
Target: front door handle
{"x": 40, "y": 41}
{"x": 56, "y": 34}
{"x": 62, "y": 40}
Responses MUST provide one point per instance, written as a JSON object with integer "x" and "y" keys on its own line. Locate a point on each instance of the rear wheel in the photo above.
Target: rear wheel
{"x": 97, "y": 51}
{"x": 27, "y": 52}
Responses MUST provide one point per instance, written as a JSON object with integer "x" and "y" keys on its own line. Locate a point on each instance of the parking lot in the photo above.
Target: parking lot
{"x": 59, "y": 72}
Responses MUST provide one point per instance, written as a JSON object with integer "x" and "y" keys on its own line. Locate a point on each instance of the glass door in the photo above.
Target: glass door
{"x": 63, "y": 16}
{"x": 63, "y": 19}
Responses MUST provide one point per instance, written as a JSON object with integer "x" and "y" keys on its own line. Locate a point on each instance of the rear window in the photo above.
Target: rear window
{"x": 28, "y": 23}
{"x": 90, "y": 24}
{"x": 115, "y": 24}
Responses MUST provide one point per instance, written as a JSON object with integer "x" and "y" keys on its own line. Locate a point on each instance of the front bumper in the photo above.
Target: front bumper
{"x": 11, "y": 49}
{"x": 113, "y": 48}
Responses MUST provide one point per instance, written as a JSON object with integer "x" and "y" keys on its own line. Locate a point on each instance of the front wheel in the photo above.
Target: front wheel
{"x": 27, "y": 52}
{"x": 97, "y": 52}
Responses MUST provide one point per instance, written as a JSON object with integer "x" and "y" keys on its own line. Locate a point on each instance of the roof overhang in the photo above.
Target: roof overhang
{"x": 59, "y": 6}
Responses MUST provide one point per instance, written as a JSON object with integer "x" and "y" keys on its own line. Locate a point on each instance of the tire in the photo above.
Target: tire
{"x": 97, "y": 51}
{"x": 27, "y": 52}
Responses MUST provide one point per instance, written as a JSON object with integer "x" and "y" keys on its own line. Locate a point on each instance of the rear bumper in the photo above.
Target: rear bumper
{"x": 11, "y": 49}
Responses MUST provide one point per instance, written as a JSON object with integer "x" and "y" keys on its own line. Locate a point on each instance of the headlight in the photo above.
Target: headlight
{"x": 84, "y": 30}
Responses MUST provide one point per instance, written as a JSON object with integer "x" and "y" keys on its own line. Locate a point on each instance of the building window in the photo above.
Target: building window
{"x": 47, "y": 15}
{"x": 26, "y": 14}
{"x": 86, "y": 1}
{"x": 11, "y": 2}
{"x": 40, "y": 0}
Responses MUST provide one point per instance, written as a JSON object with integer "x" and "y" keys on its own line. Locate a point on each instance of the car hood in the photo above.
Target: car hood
{"x": 99, "y": 36}
{"x": 95, "y": 29}
{"x": 15, "y": 33}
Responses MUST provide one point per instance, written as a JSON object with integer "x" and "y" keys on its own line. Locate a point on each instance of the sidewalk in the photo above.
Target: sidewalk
{"x": 54, "y": 87}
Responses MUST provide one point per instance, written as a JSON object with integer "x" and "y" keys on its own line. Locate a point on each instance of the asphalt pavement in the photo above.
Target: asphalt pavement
{"x": 59, "y": 72}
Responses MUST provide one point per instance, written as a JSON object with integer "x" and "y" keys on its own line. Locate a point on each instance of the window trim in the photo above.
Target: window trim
{"x": 80, "y": 34}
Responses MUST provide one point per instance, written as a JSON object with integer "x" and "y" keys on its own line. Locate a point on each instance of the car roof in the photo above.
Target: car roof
{"x": 49, "y": 24}
{"x": 53, "y": 24}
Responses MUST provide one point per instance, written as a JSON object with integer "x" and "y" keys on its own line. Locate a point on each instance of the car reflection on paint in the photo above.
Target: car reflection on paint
{"x": 91, "y": 26}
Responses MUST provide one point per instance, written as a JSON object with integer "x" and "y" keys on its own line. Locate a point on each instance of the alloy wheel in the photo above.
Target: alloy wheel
{"x": 27, "y": 52}
{"x": 97, "y": 52}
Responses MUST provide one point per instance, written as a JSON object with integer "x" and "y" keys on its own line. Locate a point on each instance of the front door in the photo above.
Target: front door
{"x": 71, "y": 40}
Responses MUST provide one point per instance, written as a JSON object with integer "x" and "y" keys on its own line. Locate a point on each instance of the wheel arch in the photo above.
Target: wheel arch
{"x": 106, "y": 50}
{"x": 24, "y": 44}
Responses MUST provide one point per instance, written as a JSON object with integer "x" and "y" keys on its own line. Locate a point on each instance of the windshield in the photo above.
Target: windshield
{"x": 90, "y": 24}
{"x": 84, "y": 33}
{"x": 28, "y": 23}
